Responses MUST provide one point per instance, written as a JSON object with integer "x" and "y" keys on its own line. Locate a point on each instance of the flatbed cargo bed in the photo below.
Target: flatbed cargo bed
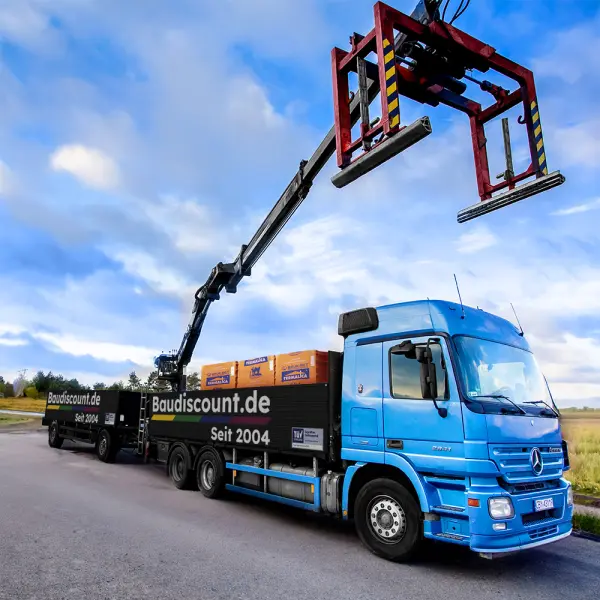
{"x": 296, "y": 419}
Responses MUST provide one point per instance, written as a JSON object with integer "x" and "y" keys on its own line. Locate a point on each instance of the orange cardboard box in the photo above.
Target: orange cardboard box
{"x": 219, "y": 376}
{"x": 308, "y": 366}
{"x": 256, "y": 372}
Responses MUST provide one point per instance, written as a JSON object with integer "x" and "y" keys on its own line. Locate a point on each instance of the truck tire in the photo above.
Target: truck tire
{"x": 210, "y": 474}
{"x": 181, "y": 476}
{"x": 54, "y": 438}
{"x": 388, "y": 520}
{"x": 106, "y": 446}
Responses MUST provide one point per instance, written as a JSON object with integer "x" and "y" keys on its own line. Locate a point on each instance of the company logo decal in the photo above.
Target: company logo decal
{"x": 295, "y": 375}
{"x": 217, "y": 380}
{"x": 256, "y": 361}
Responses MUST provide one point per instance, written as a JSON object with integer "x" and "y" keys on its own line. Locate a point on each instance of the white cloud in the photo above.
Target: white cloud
{"x": 189, "y": 224}
{"x": 7, "y": 183}
{"x": 157, "y": 275}
{"x": 578, "y": 144}
{"x": 91, "y": 166}
{"x": 23, "y": 23}
{"x": 570, "y": 55}
{"x": 478, "y": 239}
{"x": 578, "y": 208}
{"x": 11, "y": 329}
{"x": 70, "y": 344}
{"x": 12, "y": 342}
{"x": 266, "y": 26}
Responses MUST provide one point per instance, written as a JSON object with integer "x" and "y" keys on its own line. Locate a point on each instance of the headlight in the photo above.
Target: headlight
{"x": 501, "y": 508}
{"x": 570, "y": 495}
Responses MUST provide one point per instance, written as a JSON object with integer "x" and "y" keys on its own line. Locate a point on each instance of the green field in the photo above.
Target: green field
{"x": 581, "y": 429}
{"x": 24, "y": 404}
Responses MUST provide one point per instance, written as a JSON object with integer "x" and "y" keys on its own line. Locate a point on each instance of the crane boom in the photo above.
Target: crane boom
{"x": 171, "y": 367}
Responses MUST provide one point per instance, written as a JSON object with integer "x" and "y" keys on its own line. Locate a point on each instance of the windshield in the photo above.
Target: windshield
{"x": 494, "y": 369}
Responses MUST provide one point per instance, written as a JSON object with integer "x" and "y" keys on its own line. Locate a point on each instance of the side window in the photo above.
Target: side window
{"x": 406, "y": 375}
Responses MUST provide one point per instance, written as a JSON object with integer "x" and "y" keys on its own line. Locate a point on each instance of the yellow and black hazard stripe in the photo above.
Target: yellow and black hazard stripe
{"x": 391, "y": 83}
{"x": 539, "y": 140}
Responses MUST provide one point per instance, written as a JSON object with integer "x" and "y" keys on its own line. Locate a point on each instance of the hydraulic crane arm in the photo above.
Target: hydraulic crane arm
{"x": 171, "y": 367}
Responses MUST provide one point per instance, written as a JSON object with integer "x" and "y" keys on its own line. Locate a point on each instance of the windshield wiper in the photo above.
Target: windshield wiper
{"x": 523, "y": 412}
{"x": 554, "y": 412}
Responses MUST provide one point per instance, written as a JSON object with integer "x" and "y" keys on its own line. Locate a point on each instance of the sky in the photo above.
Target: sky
{"x": 142, "y": 142}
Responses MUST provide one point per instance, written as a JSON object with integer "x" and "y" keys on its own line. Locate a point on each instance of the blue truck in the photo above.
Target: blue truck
{"x": 436, "y": 422}
{"x": 449, "y": 421}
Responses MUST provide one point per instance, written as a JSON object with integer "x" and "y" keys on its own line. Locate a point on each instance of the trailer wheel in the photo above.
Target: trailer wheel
{"x": 210, "y": 474}
{"x": 54, "y": 438}
{"x": 181, "y": 476}
{"x": 106, "y": 446}
{"x": 387, "y": 520}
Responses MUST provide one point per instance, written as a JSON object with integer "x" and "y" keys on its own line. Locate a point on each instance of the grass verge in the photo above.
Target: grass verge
{"x": 6, "y": 420}
{"x": 587, "y": 523}
{"x": 9, "y": 423}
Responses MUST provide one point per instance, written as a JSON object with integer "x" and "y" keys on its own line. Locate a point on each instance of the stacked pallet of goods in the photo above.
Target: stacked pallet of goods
{"x": 307, "y": 366}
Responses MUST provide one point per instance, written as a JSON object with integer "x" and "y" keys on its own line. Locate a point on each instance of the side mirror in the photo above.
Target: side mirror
{"x": 429, "y": 388}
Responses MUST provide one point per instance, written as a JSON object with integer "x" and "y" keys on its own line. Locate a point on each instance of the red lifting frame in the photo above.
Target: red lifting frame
{"x": 396, "y": 79}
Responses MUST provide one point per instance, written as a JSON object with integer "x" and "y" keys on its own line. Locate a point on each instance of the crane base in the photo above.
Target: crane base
{"x": 520, "y": 192}
{"x": 385, "y": 150}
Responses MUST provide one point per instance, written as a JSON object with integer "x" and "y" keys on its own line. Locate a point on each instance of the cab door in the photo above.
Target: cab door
{"x": 412, "y": 425}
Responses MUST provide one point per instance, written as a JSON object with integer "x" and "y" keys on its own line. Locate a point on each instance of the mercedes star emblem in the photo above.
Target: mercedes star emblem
{"x": 535, "y": 458}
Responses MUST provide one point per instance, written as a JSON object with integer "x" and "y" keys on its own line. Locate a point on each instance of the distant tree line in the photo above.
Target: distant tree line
{"x": 42, "y": 383}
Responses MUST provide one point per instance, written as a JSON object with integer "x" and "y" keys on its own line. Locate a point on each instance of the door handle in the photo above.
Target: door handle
{"x": 399, "y": 444}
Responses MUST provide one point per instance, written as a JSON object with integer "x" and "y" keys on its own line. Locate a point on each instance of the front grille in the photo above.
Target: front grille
{"x": 513, "y": 462}
{"x": 541, "y": 516}
{"x": 533, "y": 486}
{"x": 529, "y": 487}
{"x": 536, "y": 534}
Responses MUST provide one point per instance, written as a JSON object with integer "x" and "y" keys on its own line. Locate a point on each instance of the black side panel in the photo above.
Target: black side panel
{"x": 90, "y": 409}
{"x": 292, "y": 418}
{"x": 93, "y": 409}
{"x": 129, "y": 407}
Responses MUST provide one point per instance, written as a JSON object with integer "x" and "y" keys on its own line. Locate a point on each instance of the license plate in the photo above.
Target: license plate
{"x": 544, "y": 504}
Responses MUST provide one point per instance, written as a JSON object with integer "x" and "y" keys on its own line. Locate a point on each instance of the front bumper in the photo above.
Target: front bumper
{"x": 526, "y": 529}
{"x": 499, "y": 545}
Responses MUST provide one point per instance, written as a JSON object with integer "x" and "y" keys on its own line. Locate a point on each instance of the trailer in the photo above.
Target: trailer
{"x": 107, "y": 419}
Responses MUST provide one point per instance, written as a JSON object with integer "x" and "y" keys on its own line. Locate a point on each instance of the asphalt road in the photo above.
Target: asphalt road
{"x": 73, "y": 527}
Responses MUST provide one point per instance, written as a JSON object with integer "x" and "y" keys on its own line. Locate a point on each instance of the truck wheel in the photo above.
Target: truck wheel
{"x": 106, "y": 447}
{"x": 54, "y": 439}
{"x": 387, "y": 519}
{"x": 210, "y": 474}
{"x": 181, "y": 476}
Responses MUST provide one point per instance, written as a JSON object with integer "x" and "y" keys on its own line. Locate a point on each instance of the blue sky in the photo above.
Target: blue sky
{"x": 144, "y": 141}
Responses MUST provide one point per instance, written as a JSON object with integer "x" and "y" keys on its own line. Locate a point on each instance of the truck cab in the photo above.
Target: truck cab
{"x": 448, "y": 403}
